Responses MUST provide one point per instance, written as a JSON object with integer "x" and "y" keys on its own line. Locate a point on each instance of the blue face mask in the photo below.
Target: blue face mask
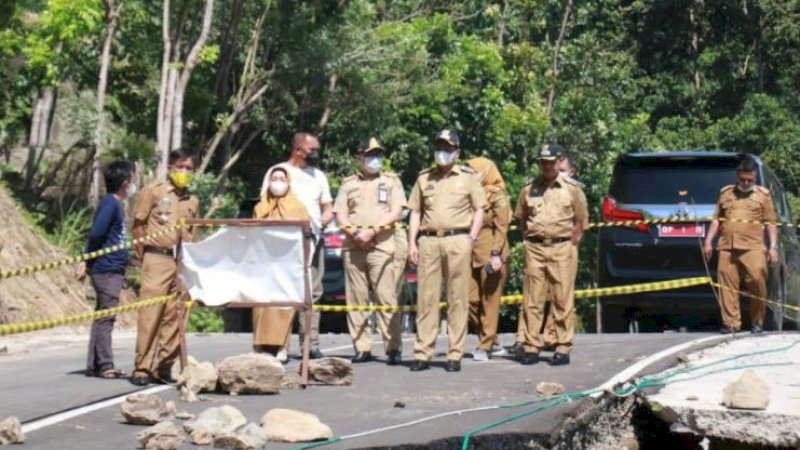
{"x": 373, "y": 164}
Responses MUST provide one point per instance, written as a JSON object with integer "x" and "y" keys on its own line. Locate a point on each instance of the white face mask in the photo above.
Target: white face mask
{"x": 278, "y": 188}
{"x": 745, "y": 189}
{"x": 444, "y": 157}
{"x": 131, "y": 190}
{"x": 373, "y": 164}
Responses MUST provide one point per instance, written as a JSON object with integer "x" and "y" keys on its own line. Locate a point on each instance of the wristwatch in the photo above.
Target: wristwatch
{"x": 775, "y": 246}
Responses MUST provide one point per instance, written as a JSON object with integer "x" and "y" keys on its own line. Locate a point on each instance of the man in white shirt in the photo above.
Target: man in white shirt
{"x": 311, "y": 187}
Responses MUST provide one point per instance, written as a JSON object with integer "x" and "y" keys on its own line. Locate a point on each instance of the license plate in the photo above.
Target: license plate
{"x": 681, "y": 230}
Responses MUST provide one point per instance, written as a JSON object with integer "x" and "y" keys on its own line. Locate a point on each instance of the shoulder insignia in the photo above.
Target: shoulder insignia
{"x": 571, "y": 180}
{"x": 763, "y": 190}
{"x": 727, "y": 188}
{"x": 467, "y": 169}
{"x": 349, "y": 179}
{"x": 502, "y": 202}
{"x": 390, "y": 174}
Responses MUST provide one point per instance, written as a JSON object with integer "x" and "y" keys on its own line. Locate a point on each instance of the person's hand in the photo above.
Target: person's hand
{"x": 80, "y": 271}
{"x": 772, "y": 255}
{"x": 413, "y": 255}
{"x": 496, "y": 262}
{"x": 708, "y": 250}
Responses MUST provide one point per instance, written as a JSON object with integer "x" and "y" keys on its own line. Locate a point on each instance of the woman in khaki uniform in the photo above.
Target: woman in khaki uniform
{"x": 489, "y": 255}
{"x": 271, "y": 325}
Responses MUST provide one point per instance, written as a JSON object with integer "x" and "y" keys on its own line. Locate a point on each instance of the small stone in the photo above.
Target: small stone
{"x": 748, "y": 392}
{"x": 291, "y": 380}
{"x": 399, "y": 404}
{"x": 547, "y": 389}
{"x": 184, "y": 415}
{"x": 214, "y": 422}
{"x": 332, "y": 371}
{"x": 286, "y": 425}
{"x": 142, "y": 409}
{"x": 682, "y": 357}
{"x": 170, "y": 408}
{"x": 162, "y": 436}
{"x": 11, "y": 431}
{"x": 249, "y": 437}
{"x": 187, "y": 395}
{"x": 692, "y": 398}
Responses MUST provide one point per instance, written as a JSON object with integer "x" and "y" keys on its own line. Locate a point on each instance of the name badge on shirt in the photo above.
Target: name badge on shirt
{"x": 383, "y": 194}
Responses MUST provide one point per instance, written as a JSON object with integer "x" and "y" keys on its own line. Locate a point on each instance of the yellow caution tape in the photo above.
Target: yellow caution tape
{"x": 86, "y": 256}
{"x": 515, "y": 299}
{"x": 765, "y": 300}
{"x": 25, "y": 327}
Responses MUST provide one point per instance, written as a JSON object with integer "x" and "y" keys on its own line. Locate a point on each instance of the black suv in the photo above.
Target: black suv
{"x": 682, "y": 185}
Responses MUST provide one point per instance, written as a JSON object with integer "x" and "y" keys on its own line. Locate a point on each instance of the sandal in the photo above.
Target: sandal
{"x": 111, "y": 374}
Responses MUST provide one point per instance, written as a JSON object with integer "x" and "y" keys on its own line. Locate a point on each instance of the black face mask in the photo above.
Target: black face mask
{"x": 312, "y": 159}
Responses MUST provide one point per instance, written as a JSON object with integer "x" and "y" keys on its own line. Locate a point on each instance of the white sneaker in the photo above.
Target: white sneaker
{"x": 480, "y": 355}
{"x": 499, "y": 350}
{"x": 283, "y": 356}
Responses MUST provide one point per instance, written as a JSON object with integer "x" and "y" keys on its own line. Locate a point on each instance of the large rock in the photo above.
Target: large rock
{"x": 162, "y": 436}
{"x": 141, "y": 409}
{"x": 748, "y": 392}
{"x": 252, "y": 373}
{"x": 334, "y": 371}
{"x": 175, "y": 370}
{"x": 214, "y": 422}
{"x": 286, "y": 425}
{"x": 198, "y": 377}
{"x": 11, "y": 431}
{"x": 249, "y": 437}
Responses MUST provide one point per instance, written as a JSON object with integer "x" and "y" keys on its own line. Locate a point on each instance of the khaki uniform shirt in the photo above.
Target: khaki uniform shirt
{"x": 366, "y": 201}
{"x": 159, "y": 206}
{"x": 494, "y": 234}
{"x": 755, "y": 206}
{"x": 446, "y": 201}
{"x": 550, "y": 211}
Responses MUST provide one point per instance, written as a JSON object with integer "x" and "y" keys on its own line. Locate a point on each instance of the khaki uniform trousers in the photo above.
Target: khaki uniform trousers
{"x": 549, "y": 269}
{"x": 362, "y": 270}
{"x": 735, "y": 267}
{"x": 452, "y": 257}
{"x": 485, "y": 291}
{"x": 549, "y": 332}
{"x": 157, "y": 337}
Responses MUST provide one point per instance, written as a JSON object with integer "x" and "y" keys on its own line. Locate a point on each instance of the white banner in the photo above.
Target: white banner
{"x": 259, "y": 264}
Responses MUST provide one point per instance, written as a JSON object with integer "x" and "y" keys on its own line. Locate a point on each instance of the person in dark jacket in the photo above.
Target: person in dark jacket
{"x": 108, "y": 271}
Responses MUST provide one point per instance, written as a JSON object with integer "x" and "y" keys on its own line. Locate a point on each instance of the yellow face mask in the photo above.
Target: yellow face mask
{"x": 181, "y": 180}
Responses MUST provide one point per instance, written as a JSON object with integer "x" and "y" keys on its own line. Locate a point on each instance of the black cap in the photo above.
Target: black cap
{"x": 369, "y": 145}
{"x": 451, "y": 137}
{"x": 550, "y": 152}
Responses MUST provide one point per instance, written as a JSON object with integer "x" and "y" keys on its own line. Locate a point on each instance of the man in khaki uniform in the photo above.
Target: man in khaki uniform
{"x": 552, "y": 212}
{"x": 741, "y": 246}
{"x": 371, "y": 198}
{"x": 159, "y": 205}
{"x": 447, "y": 213}
{"x": 489, "y": 257}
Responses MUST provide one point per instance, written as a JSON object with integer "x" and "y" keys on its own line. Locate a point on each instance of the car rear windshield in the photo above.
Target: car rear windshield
{"x": 658, "y": 181}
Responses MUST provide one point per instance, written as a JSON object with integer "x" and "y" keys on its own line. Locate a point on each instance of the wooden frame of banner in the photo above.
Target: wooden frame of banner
{"x": 306, "y": 305}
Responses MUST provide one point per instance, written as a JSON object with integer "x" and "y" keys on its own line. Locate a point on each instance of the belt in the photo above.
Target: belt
{"x": 547, "y": 241}
{"x": 160, "y": 251}
{"x": 443, "y": 233}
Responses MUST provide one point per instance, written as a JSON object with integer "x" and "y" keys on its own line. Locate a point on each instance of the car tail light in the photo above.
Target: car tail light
{"x": 613, "y": 214}
{"x": 335, "y": 240}
{"x": 411, "y": 277}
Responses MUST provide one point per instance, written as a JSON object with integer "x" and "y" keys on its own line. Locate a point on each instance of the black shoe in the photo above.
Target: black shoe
{"x": 361, "y": 357}
{"x": 528, "y": 359}
{"x": 726, "y": 330}
{"x": 453, "y": 365}
{"x": 140, "y": 380}
{"x": 559, "y": 359}
{"x": 394, "y": 358}
{"x": 756, "y": 329}
{"x": 517, "y": 350}
{"x": 315, "y": 353}
{"x": 420, "y": 365}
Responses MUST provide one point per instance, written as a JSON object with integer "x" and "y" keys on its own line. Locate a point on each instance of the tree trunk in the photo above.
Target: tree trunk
{"x": 551, "y": 96}
{"x": 112, "y": 12}
{"x": 41, "y": 121}
{"x": 695, "y": 20}
{"x": 174, "y": 83}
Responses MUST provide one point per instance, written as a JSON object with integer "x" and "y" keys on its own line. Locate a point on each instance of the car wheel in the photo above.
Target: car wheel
{"x": 613, "y": 318}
